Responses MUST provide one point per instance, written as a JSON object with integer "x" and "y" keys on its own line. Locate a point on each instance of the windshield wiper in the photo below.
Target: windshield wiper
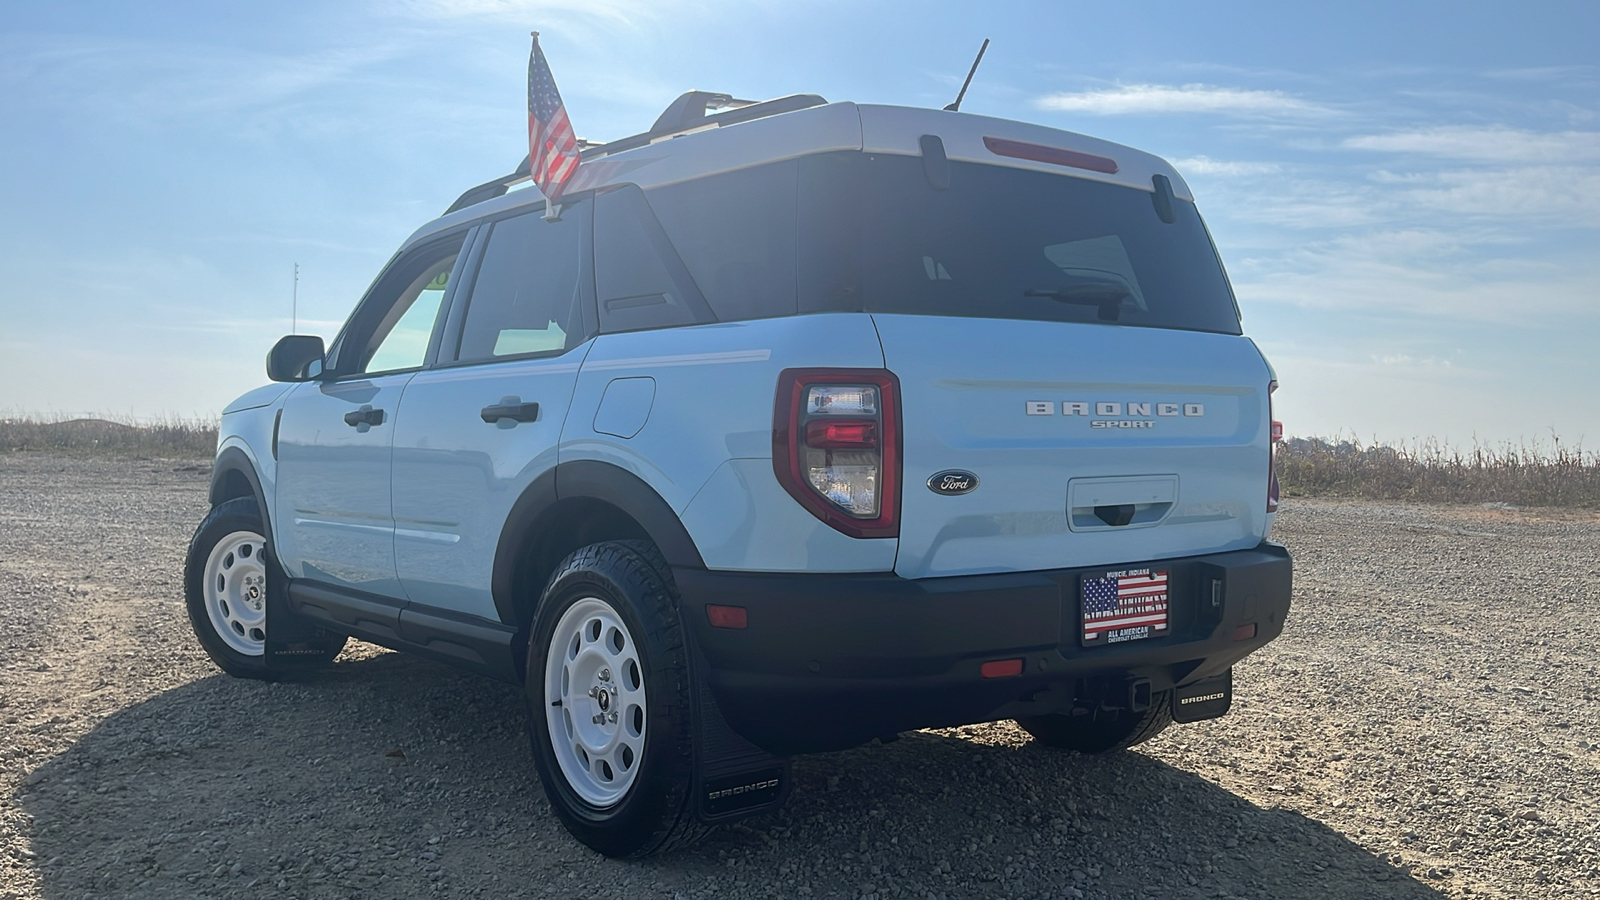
{"x": 1107, "y": 297}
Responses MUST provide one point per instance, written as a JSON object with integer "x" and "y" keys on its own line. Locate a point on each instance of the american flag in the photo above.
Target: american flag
{"x": 552, "y": 147}
{"x": 1133, "y": 599}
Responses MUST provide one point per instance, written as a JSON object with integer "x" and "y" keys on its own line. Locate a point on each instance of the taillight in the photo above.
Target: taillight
{"x": 1272, "y": 453}
{"x": 836, "y": 447}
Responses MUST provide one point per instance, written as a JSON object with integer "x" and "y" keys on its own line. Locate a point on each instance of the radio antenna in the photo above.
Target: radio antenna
{"x": 956, "y": 106}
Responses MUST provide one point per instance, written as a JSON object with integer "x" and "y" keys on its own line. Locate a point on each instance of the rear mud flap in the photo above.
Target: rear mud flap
{"x": 1206, "y": 699}
{"x": 732, "y": 777}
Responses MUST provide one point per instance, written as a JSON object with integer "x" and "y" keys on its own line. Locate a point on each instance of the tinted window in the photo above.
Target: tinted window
{"x": 736, "y": 234}
{"x": 525, "y": 298}
{"x": 639, "y": 278}
{"x": 1009, "y": 243}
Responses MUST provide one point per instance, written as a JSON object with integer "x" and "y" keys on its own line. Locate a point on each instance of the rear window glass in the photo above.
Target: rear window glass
{"x": 1017, "y": 244}
{"x": 855, "y": 232}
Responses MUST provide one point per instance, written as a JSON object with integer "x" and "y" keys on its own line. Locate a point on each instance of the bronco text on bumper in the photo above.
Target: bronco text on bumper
{"x": 796, "y": 425}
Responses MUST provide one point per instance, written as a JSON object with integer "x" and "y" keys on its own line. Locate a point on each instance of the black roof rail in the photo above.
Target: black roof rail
{"x": 687, "y": 113}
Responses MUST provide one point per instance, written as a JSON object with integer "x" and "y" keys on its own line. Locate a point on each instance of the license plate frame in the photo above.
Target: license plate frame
{"x": 1132, "y": 603}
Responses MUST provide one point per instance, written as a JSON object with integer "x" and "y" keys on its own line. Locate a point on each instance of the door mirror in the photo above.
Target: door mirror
{"x": 296, "y": 357}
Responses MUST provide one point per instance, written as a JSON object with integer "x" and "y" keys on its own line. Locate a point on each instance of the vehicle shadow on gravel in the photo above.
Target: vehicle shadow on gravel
{"x": 389, "y": 776}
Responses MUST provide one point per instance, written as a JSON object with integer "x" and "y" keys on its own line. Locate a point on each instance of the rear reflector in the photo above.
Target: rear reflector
{"x": 1055, "y": 156}
{"x": 727, "y": 616}
{"x": 1001, "y": 668}
{"x": 1244, "y": 632}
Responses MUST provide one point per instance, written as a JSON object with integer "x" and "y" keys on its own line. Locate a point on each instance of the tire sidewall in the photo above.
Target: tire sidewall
{"x": 240, "y": 514}
{"x": 656, "y": 799}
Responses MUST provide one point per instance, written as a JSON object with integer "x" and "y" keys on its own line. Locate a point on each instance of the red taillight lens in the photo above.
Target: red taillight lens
{"x": 1273, "y": 492}
{"x": 1056, "y": 156}
{"x": 840, "y": 435}
{"x": 836, "y": 447}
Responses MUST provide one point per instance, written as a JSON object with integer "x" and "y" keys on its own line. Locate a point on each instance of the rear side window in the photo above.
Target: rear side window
{"x": 526, "y": 297}
{"x": 639, "y": 277}
{"x": 736, "y": 234}
{"x": 1006, "y": 243}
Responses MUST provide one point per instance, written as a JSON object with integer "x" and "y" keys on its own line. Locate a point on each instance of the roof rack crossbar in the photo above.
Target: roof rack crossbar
{"x": 687, "y": 113}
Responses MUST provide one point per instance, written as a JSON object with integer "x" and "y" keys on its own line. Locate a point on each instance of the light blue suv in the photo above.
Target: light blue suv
{"x": 796, "y": 425}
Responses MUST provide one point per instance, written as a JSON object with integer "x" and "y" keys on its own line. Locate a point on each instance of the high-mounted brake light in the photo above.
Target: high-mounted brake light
{"x": 1056, "y": 156}
{"x": 836, "y": 447}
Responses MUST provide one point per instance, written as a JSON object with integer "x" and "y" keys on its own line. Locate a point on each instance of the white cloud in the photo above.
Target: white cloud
{"x": 1560, "y": 195}
{"x": 1543, "y": 73}
{"x": 1428, "y": 274}
{"x": 1137, "y": 99}
{"x": 1495, "y": 144}
{"x": 1205, "y": 165}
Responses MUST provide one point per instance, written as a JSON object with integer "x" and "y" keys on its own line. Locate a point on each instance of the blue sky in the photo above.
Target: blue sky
{"x": 1407, "y": 196}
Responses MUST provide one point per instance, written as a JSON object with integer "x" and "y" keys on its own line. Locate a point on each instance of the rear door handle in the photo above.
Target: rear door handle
{"x": 366, "y": 415}
{"x": 510, "y": 408}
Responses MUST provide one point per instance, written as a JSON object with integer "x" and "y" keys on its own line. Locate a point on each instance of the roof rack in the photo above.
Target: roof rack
{"x": 690, "y": 112}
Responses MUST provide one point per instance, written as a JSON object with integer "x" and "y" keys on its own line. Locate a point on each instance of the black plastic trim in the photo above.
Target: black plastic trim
{"x": 516, "y": 536}
{"x": 536, "y": 512}
{"x": 230, "y": 460}
{"x": 465, "y": 640}
{"x": 368, "y": 616}
{"x": 830, "y": 661}
{"x": 629, "y": 493}
{"x": 460, "y": 640}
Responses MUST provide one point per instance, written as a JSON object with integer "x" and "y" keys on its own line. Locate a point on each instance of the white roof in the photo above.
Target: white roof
{"x": 833, "y": 127}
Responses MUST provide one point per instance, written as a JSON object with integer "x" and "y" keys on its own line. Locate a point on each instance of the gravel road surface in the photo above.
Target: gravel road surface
{"x": 1426, "y": 727}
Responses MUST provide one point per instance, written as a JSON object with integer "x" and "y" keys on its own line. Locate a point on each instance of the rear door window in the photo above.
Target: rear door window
{"x": 527, "y": 297}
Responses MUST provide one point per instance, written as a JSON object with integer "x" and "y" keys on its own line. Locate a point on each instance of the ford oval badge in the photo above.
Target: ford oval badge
{"x": 953, "y": 481}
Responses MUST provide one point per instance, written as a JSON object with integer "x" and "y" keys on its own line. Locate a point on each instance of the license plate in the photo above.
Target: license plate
{"x": 1123, "y": 605}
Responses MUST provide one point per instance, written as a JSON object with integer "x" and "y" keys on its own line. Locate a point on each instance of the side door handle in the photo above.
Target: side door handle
{"x": 510, "y": 408}
{"x": 366, "y": 415}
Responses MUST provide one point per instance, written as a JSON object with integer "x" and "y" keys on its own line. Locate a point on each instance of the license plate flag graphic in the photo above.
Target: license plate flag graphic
{"x": 1124, "y": 606}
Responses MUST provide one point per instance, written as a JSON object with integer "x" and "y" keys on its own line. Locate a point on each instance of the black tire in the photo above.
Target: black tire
{"x": 230, "y": 518}
{"x": 654, "y": 813}
{"x": 1102, "y": 731}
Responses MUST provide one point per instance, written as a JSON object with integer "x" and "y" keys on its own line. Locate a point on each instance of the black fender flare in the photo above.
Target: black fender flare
{"x": 592, "y": 480}
{"x": 233, "y": 460}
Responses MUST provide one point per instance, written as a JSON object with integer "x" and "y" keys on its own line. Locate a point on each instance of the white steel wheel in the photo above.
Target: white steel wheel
{"x": 235, "y": 586}
{"x": 595, "y": 702}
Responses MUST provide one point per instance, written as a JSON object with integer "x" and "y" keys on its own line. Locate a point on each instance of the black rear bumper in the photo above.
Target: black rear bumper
{"x": 830, "y": 661}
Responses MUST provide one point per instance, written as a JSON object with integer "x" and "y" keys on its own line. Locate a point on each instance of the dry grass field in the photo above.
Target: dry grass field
{"x": 1553, "y": 475}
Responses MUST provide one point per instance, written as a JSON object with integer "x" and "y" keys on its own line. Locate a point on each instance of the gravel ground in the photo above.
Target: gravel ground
{"x": 1427, "y": 726}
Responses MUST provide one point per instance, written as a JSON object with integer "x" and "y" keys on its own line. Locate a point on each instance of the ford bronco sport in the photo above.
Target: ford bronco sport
{"x": 796, "y": 425}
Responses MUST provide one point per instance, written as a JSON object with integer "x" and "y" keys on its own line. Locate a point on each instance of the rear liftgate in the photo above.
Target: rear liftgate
{"x": 733, "y": 778}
